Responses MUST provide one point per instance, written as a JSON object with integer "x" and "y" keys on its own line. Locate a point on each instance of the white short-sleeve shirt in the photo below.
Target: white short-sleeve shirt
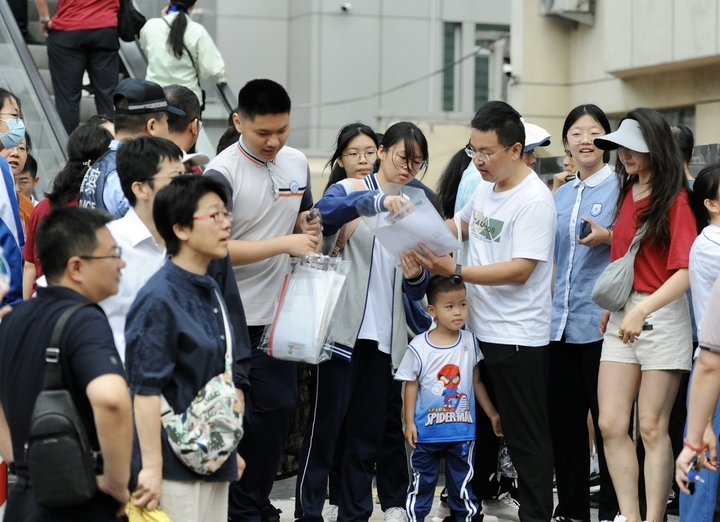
{"x": 518, "y": 223}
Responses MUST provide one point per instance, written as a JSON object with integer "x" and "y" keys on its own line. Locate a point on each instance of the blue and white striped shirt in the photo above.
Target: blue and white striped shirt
{"x": 573, "y": 311}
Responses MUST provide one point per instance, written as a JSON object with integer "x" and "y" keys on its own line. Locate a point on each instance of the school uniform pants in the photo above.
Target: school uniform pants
{"x": 391, "y": 470}
{"x": 355, "y": 396}
{"x": 519, "y": 377}
{"x": 572, "y": 391}
{"x": 269, "y": 410}
{"x": 70, "y": 54}
{"x": 425, "y": 464}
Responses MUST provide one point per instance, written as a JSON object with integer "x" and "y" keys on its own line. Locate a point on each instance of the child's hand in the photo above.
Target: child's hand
{"x": 411, "y": 269}
{"x": 411, "y": 434}
{"x": 496, "y": 426}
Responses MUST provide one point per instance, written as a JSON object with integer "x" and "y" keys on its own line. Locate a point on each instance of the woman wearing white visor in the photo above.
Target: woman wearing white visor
{"x": 648, "y": 343}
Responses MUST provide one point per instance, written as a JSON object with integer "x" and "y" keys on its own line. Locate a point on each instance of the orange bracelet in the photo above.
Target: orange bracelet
{"x": 696, "y": 450}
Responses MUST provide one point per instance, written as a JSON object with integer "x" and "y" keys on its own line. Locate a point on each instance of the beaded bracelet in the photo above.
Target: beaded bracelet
{"x": 701, "y": 449}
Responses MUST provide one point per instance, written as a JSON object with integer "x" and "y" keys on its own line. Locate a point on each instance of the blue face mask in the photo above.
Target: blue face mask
{"x": 15, "y": 134}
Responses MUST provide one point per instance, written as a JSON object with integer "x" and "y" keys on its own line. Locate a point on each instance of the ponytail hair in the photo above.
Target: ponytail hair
{"x": 177, "y": 29}
{"x": 449, "y": 182}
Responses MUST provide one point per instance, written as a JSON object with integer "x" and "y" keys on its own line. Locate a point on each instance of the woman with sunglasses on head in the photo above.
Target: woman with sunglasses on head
{"x": 585, "y": 211}
{"x": 648, "y": 343}
{"x": 352, "y": 389}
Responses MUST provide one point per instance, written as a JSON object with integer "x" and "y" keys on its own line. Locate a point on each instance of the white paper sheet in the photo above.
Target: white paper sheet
{"x": 422, "y": 225}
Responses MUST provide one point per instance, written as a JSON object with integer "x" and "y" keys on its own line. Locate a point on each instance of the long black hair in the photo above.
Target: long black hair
{"x": 706, "y": 186}
{"x": 85, "y": 145}
{"x": 666, "y": 181}
{"x": 177, "y": 29}
{"x": 345, "y": 136}
{"x": 447, "y": 185}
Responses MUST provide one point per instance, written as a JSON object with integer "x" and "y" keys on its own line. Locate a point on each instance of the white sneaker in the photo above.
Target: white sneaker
{"x": 620, "y": 518}
{"x": 504, "y": 507}
{"x": 442, "y": 512}
{"x": 330, "y": 514}
{"x": 395, "y": 514}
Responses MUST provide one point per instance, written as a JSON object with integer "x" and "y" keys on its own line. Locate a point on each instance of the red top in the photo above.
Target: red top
{"x": 76, "y": 15}
{"x": 653, "y": 265}
{"x": 41, "y": 210}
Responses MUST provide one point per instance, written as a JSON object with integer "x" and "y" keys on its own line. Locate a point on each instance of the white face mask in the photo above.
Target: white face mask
{"x": 15, "y": 133}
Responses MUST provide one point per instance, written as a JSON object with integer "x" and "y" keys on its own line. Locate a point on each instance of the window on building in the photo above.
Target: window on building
{"x": 451, "y": 74}
{"x": 484, "y": 35}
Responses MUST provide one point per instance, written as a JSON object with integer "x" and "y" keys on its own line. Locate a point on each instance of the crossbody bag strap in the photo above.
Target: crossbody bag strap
{"x": 53, "y": 371}
{"x": 192, "y": 60}
{"x": 637, "y": 240}
{"x": 165, "y": 408}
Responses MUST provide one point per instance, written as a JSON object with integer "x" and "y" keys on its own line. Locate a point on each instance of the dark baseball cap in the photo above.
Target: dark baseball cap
{"x": 142, "y": 97}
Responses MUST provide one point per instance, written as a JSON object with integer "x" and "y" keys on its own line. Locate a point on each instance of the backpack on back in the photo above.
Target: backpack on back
{"x": 58, "y": 454}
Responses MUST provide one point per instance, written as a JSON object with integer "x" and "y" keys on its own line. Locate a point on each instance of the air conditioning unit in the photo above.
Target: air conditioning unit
{"x": 580, "y": 11}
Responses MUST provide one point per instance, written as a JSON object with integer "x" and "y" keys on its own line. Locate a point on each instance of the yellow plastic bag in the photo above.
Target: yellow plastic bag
{"x": 136, "y": 514}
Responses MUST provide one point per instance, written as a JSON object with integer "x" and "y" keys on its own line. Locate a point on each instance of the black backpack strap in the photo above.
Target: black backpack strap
{"x": 53, "y": 371}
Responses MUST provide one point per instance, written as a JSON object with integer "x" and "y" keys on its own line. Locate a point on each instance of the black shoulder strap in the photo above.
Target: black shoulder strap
{"x": 192, "y": 60}
{"x": 53, "y": 371}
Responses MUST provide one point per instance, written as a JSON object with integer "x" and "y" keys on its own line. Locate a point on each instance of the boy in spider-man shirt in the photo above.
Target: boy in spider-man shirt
{"x": 442, "y": 382}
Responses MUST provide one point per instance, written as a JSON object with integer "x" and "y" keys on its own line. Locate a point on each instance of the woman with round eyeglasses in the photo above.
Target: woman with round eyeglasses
{"x": 352, "y": 390}
{"x": 585, "y": 211}
{"x": 355, "y": 153}
{"x": 648, "y": 343}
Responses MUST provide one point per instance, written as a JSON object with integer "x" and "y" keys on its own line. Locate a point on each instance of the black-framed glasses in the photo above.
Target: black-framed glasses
{"x": 413, "y": 165}
{"x": 199, "y": 124}
{"x": 482, "y": 155}
{"x": 354, "y": 157}
{"x": 117, "y": 254}
{"x": 218, "y": 217}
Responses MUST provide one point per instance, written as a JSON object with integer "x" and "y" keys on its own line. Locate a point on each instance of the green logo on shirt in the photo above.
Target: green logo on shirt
{"x": 488, "y": 228}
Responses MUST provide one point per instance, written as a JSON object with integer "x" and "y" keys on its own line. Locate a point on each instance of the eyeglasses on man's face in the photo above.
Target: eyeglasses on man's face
{"x": 484, "y": 157}
{"x": 117, "y": 254}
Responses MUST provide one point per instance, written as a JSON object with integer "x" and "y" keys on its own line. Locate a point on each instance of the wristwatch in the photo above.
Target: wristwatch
{"x": 45, "y": 20}
{"x": 456, "y": 277}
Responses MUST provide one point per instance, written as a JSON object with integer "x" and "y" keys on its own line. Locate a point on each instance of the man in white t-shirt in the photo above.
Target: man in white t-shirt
{"x": 509, "y": 224}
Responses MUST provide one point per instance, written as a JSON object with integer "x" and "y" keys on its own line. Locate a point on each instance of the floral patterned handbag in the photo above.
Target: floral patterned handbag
{"x": 204, "y": 435}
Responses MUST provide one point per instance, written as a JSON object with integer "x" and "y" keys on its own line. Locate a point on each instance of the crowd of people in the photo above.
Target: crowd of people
{"x": 181, "y": 275}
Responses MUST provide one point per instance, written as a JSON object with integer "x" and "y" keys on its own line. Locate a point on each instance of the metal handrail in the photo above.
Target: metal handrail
{"x": 36, "y": 80}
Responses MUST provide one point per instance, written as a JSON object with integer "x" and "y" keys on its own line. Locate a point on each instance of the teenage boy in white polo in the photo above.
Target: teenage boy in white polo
{"x": 509, "y": 224}
{"x": 269, "y": 196}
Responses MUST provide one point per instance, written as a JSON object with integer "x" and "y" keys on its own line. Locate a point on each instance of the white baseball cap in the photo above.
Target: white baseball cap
{"x": 535, "y": 136}
{"x": 628, "y": 135}
{"x": 196, "y": 159}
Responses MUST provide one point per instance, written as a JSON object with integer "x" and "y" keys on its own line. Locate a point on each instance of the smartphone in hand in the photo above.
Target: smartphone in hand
{"x": 586, "y": 229}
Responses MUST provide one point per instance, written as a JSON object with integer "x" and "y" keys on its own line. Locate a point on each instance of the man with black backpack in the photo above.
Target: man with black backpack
{"x": 82, "y": 263}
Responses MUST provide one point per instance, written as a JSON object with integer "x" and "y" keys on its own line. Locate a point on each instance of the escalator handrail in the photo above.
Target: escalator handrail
{"x": 227, "y": 96}
{"x": 48, "y": 107}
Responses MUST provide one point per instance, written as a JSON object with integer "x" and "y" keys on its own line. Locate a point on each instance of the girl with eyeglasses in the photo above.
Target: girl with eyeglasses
{"x": 352, "y": 390}
{"x": 585, "y": 211}
{"x": 355, "y": 153}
